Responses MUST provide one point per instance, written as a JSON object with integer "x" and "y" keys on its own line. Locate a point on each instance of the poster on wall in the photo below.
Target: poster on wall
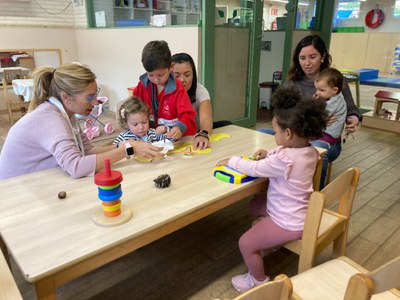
{"x": 100, "y": 17}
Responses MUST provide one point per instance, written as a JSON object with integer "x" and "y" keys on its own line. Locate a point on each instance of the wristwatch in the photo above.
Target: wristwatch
{"x": 203, "y": 133}
{"x": 128, "y": 150}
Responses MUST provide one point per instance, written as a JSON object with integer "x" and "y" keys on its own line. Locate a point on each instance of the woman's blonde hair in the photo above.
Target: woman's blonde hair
{"x": 132, "y": 105}
{"x": 48, "y": 82}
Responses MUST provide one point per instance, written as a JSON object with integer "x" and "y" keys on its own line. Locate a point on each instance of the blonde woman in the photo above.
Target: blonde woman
{"x": 49, "y": 135}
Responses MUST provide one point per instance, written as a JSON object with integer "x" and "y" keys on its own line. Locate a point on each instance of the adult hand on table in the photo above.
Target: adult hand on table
{"x": 201, "y": 142}
{"x": 144, "y": 149}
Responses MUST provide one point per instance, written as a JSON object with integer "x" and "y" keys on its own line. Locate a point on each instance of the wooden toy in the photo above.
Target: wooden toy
{"x": 110, "y": 192}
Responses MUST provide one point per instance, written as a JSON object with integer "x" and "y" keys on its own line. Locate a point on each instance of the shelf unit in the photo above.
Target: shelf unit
{"x": 182, "y": 12}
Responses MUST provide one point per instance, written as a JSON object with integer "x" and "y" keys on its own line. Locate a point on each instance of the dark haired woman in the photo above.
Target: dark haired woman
{"x": 184, "y": 70}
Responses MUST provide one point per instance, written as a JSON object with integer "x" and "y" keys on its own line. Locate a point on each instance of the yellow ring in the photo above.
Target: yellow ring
{"x": 111, "y": 208}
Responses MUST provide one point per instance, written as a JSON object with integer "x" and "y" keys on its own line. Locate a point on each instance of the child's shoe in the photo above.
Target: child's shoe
{"x": 245, "y": 282}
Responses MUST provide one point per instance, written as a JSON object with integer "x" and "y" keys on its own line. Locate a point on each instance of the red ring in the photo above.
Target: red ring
{"x": 370, "y": 17}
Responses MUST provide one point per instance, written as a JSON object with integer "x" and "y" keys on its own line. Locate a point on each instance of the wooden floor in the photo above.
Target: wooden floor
{"x": 197, "y": 262}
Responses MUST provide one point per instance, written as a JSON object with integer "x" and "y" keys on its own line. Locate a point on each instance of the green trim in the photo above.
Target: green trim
{"x": 208, "y": 45}
{"x": 290, "y": 26}
{"x": 90, "y": 14}
{"x": 208, "y": 57}
{"x": 253, "y": 67}
{"x": 327, "y": 14}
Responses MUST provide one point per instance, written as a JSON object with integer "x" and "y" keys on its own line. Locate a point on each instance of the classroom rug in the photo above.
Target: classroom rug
{"x": 382, "y": 81}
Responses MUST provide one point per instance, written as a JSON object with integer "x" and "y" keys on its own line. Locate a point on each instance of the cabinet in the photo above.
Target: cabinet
{"x": 381, "y": 47}
{"x": 348, "y": 50}
{"x": 366, "y": 50}
{"x": 231, "y": 61}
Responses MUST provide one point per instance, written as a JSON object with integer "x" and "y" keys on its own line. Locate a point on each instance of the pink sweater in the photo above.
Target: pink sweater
{"x": 290, "y": 172}
{"x": 43, "y": 139}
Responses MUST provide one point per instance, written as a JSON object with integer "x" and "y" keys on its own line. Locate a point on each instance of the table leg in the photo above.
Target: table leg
{"x": 46, "y": 289}
{"x": 4, "y": 249}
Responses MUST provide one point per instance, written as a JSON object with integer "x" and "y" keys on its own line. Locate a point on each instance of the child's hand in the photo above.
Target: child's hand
{"x": 332, "y": 119}
{"x": 175, "y": 133}
{"x": 223, "y": 162}
{"x": 161, "y": 129}
{"x": 260, "y": 154}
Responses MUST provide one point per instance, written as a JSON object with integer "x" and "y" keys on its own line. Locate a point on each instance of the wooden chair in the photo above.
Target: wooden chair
{"x": 325, "y": 226}
{"x": 343, "y": 278}
{"x": 11, "y": 74}
{"x": 8, "y": 287}
{"x": 14, "y": 102}
{"x": 280, "y": 288}
{"x": 329, "y": 173}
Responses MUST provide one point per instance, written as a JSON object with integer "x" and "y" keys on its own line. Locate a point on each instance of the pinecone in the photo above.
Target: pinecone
{"x": 162, "y": 181}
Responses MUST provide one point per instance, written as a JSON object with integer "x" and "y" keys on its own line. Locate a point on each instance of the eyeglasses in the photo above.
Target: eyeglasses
{"x": 92, "y": 97}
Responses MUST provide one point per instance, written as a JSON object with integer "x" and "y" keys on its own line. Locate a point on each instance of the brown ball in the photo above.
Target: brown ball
{"x": 62, "y": 195}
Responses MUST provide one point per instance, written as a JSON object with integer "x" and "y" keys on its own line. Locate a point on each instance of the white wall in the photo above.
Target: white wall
{"x": 40, "y": 38}
{"x": 114, "y": 55}
{"x": 271, "y": 61}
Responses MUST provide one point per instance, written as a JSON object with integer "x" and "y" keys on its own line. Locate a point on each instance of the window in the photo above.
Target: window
{"x": 396, "y": 12}
{"x": 348, "y": 10}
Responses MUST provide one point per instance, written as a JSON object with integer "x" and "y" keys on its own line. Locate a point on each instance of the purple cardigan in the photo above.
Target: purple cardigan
{"x": 43, "y": 139}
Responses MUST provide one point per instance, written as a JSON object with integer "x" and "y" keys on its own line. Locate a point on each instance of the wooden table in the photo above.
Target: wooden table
{"x": 54, "y": 241}
{"x": 24, "y": 88}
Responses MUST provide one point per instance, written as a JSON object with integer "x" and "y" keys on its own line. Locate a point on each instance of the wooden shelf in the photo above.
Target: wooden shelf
{"x": 371, "y": 120}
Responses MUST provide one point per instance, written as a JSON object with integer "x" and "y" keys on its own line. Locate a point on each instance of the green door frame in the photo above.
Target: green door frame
{"x": 208, "y": 59}
{"x": 323, "y": 21}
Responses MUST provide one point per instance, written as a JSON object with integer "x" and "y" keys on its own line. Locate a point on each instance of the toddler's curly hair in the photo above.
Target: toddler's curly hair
{"x": 305, "y": 116}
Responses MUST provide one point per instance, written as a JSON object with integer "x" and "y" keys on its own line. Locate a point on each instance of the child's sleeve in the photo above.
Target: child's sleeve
{"x": 118, "y": 139}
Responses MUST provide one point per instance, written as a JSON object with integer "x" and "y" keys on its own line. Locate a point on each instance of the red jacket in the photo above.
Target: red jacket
{"x": 172, "y": 107}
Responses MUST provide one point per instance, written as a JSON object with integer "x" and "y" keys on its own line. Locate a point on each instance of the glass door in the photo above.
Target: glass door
{"x": 231, "y": 68}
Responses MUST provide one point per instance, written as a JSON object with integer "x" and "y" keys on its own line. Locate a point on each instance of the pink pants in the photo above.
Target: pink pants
{"x": 263, "y": 235}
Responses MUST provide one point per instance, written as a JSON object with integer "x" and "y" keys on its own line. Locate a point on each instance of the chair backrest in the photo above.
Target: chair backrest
{"x": 363, "y": 286}
{"x": 280, "y": 288}
{"x": 342, "y": 191}
{"x": 11, "y": 74}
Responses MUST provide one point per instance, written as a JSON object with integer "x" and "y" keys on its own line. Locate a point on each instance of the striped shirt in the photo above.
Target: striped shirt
{"x": 151, "y": 136}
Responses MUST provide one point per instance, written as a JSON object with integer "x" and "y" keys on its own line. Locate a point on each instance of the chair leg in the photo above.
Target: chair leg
{"x": 10, "y": 116}
{"x": 339, "y": 245}
{"x": 306, "y": 262}
{"x": 328, "y": 173}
